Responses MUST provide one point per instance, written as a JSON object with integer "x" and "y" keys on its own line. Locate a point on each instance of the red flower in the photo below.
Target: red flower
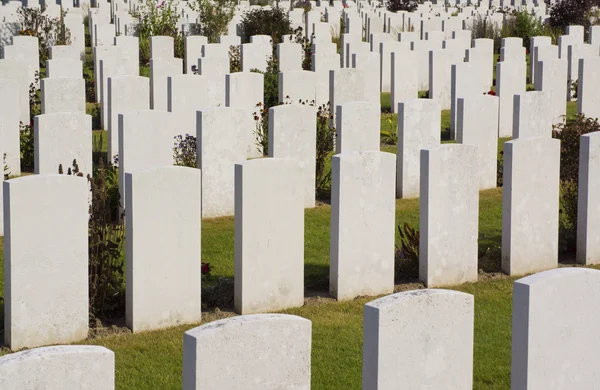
{"x": 527, "y": 51}
{"x": 205, "y": 269}
{"x": 492, "y": 93}
{"x": 498, "y": 60}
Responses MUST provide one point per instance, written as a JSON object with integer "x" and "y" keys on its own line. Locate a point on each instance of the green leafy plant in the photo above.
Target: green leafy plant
{"x": 298, "y": 37}
{"x": 564, "y": 13}
{"x": 213, "y": 16}
{"x": 94, "y": 111}
{"x": 49, "y": 31}
{"x": 406, "y": 259}
{"x": 27, "y": 147}
{"x": 35, "y": 101}
{"x": 401, "y": 5}
{"x": 389, "y": 137}
{"x": 325, "y": 142}
{"x": 157, "y": 19}
{"x": 271, "y": 82}
{"x": 184, "y": 151}
{"x": 106, "y": 239}
{"x": 500, "y": 170}
{"x": 6, "y": 169}
{"x": 569, "y": 133}
{"x": 106, "y": 236}
{"x": 235, "y": 59}
{"x": 261, "y": 128}
{"x": 274, "y": 22}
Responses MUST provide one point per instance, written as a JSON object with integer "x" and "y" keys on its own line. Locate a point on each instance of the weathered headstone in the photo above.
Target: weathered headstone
{"x": 419, "y": 122}
{"x": 554, "y": 340}
{"x": 125, "y": 93}
{"x": 588, "y": 87}
{"x": 145, "y": 141}
{"x": 244, "y": 90}
{"x": 530, "y": 205}
{"x": 62, "y": 95}
{"x": 58, "y": 260}
{"x": 269, "y": 235}
{"x": 362, "y": 224}
{"x": 221, "y": 143}
{"x": 510, "y": 81}
{"x": 292, "y": 134}
{"x": 422, "y": 339}
{"x": 449, "y": 215}
{"x": 168, "y": 197}
{"x": 357, "y": 127}
{"x": 160, "y": 70}
{"x": 276, "y": 353}
{"x": 59, "y": 367}
{"x": 531, "y": 117}
{"x": 404, "y": 78}
{"x": 477, "y": 125}
{"x": 588, "y": 209}
{"x": 60, "y": 138}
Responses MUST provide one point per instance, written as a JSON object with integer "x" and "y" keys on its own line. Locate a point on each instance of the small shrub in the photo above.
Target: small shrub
{"x": 213, "y": 16}
{"x": 6, "y": 169}
{"x": 35, "y": 102}
{"x": 184, "y": 151}
{"x": 490, "y": 260}
{"x": 564, "y": 13}
{"x": 406, "y": 258}
{"x": 90, "y": 88}
{"x": 298, "y": 37}
{"x": 325, "y": 143}
{"x": 401, "y": 5}
{"x": 106, "y": 239}
{"x": 156, "y": 19}
{"x": 273, "y": 22}
{"x": 484, "y": 28}
{"x": 261, "y": 128}
{"x": 306, "y": 4}
{"x": 271, "y": 83}
{"x": 500, "y": 170}
{"x": 389, "y": 137}
{"x": 49, "y": 31}
{"x": 569, "y": 133}
{"x": 218, "y": 294}
{"x": 96, "y": 114}
{"x": 235, "y": 59}
{"x": 27, "y": 147}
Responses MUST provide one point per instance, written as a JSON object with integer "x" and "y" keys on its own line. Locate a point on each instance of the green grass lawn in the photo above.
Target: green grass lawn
{"x": 153, "y": 359}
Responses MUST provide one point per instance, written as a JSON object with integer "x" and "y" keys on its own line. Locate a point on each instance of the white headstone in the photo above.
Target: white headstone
{"x": 362, "y": 224}
{"x": 554, "y": 319}
{"x": 292, "y": 134}
{"x": 38, "y": 252}
{"x": 168, "y": 197}
{"x": 588, "y": 209}
{"x": 419, "y": 122}
{"x": 221, "y": 143}
{"x": 269, "y": 235}
{"x": 530, "y": 205}
{"x": 275, "y": 353}
{"x": 61, "y": 138}
{"x": 59, "y": 367}
{"x": 449, "y": 215}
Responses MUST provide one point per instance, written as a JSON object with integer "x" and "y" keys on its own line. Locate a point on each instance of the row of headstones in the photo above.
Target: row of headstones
{"x": 422, "y": 338}
{"x": 373, "y": 18}
{"x": 269, "y": 225}
{"x": 188, "y": 93}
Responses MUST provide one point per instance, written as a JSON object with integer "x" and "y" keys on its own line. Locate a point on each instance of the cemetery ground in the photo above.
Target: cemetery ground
{"x": 153, "y": 360}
